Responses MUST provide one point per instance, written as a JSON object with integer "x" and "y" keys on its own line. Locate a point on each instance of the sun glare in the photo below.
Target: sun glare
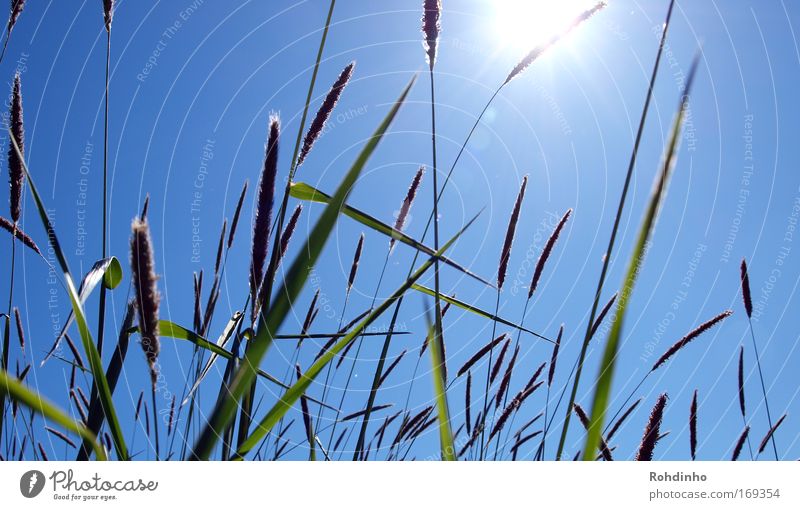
{"x": 525, "y": 23}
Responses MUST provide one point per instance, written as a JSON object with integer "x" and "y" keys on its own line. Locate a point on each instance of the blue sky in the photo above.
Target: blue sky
{"x": 193, "y": 83}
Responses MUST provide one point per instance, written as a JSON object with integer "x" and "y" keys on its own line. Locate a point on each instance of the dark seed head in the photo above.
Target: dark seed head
{"x": 108, "y": 13}
{"x": 505, "y": 253}
{"x": 263, "y": 220}
{"x": 431, "y": 28}
{"x": 19, "y": 234}
{"x": 324, "y": 112}
{"x": 236, "y": 213}
{"x": 552, "y": 371}
{"x": 356, "y": 259}
{"x": 408, "y": 201}
{"x": 748, "y": 301}
{"x": 693, "y": 425}
{"x": 548, "y": 248}
{"x": 651, "y": 431}
{"x": 16, "y": 172}
{"x": 741, "y": 380}
{"x": 739, "y": 443}
{"x": 16, "y": 10}
{"x": 680, "y": 344}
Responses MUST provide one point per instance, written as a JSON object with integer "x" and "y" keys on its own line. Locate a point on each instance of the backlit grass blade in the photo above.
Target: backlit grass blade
{"x": 107, "y": 270}
{"x": 95, "y": 363}
{"x": 293, "y": 394}
{"x": 475, "y": 310}
{"x": 608, "y": 363}
{"x": 445, "y": 431}
{"x": 296, "y": 276}
{"x": 609, "y": 253}
{"x": 303, "y": 191}
{"x": 18, "y": 392}
{"x": 169, "y": 329}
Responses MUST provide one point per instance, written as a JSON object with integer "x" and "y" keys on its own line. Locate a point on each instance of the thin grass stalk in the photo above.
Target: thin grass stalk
{"x": 108, "y": 12}
{"x": 748, "y": 305}
{"x": 399, "y": 224}
{"x": 613, "y": 237}
{"x": 431, "y": 28}
{"x": 550, "y": 374}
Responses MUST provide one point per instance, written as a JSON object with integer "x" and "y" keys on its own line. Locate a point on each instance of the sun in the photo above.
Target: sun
{"x": 524, "y": 23}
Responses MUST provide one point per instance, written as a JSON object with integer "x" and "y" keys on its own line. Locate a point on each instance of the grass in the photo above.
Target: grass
{"x": 246, "y": 422}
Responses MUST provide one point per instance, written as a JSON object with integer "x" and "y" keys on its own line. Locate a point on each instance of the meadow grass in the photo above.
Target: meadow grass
{"x": 236, "y": 427}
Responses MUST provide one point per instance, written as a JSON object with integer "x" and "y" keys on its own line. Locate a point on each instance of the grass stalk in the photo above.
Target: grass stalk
{"x": 612, "y": 239}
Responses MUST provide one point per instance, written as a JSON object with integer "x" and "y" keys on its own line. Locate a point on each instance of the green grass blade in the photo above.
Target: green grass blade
{"x": 95, "y": 363}
{"x": 20, "y": 393}
{"x": 475, "y": 310}
{"x": 303, "y": 191}
{"x": 609, "y": 253}
{"x": 608, "y": 363}
{"x": 107, "y": 270}
{"x": 445, "y": 431}
{"x": 268, "y": 323}
{"x": 296, "y": 391}
{"x": 169, "y": 329}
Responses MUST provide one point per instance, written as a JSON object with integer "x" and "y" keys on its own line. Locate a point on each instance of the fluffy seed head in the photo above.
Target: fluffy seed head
{"x": 680, "y": 344}
{"x": 651, "y": 431}
{"x": 505, "y": 253}
{"x": 263, "y": 220}
{"x": 548, "y": 248}
{"x": 324, "y": 112}
{"x": 16, "y": 10}
{"x": 108, "y": 13}
{"x": 16, "y": 172}
{"x": 408, "y": 201}
{"x": 431, "y": 28}
{"x": 147, "y": 296}
{"x": 540, "y": 49}
{"x": 19, "y": 234}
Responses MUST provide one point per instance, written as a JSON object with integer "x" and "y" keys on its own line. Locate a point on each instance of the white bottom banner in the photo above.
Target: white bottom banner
{"x": 506, "y": 485}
